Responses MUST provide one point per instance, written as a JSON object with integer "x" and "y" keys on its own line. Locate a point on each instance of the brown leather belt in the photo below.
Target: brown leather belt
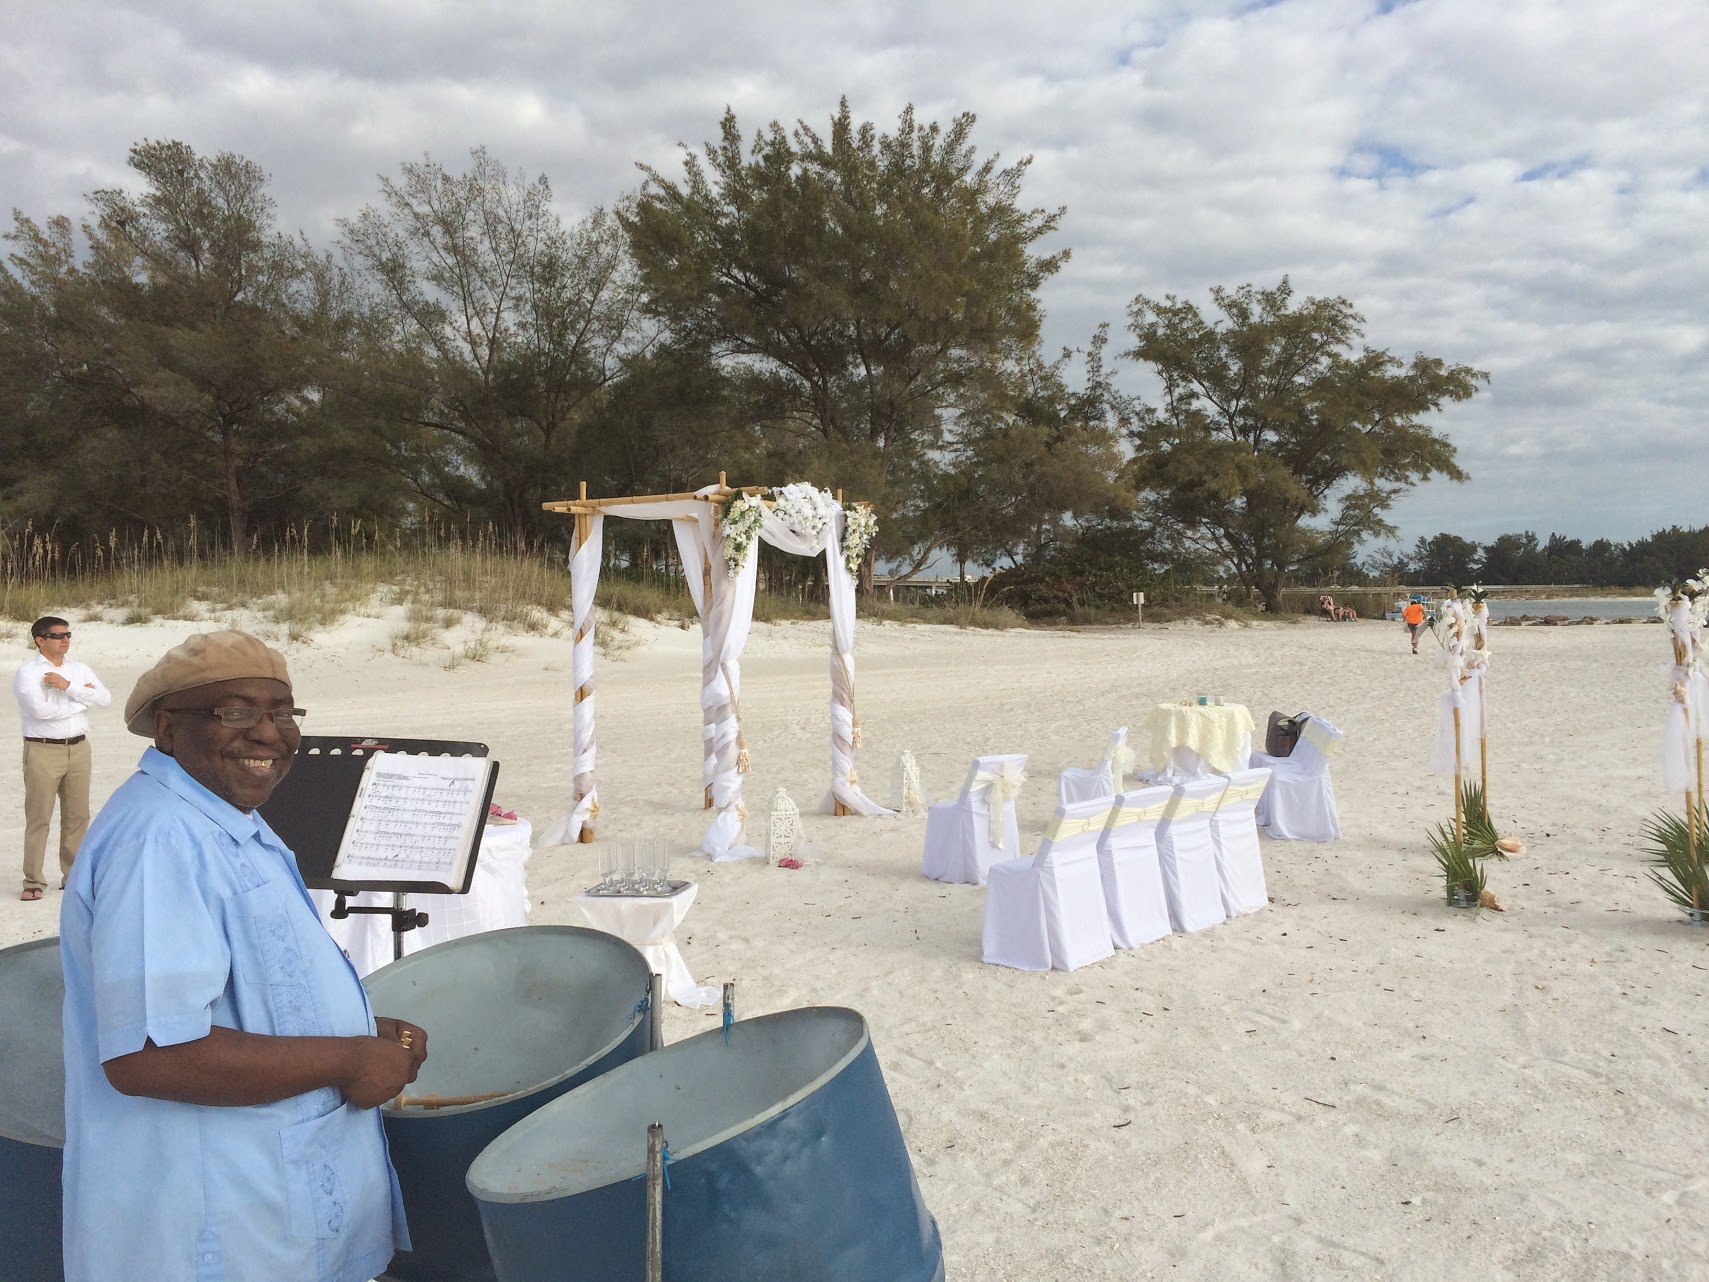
{"x": 64, "y": 743}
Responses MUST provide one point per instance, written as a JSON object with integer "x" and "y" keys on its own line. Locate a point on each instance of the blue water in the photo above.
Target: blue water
{"x": 1628, "y": 607}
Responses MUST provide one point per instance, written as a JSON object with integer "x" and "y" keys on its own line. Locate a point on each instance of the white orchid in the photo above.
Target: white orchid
{"x": 806, "y": 509}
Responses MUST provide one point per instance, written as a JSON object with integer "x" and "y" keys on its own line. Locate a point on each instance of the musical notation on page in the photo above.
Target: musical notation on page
{"x": 414, "y": 819}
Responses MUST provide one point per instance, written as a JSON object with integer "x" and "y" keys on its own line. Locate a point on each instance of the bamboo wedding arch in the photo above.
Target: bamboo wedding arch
{"x": 723, "y": 598}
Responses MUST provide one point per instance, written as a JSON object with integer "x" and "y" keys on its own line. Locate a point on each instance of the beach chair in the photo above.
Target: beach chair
{"x": 1234, "y": 838}
{"x": 1132, "y": 876}
{"x": 1299, "y": 804}
{"x": 1103, "y": 780}
{"x": 1048, "y": 911}
{"x": 963, "y": 837}
{"x": 1188, "y": 859}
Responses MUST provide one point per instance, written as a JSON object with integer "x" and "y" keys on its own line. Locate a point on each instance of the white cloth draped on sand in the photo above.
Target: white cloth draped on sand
{"x": 725, "y": 604}
{"x": 1688, "y": 702}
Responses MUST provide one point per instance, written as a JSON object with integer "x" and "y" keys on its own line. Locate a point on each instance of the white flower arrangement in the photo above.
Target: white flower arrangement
{"x": 805, "y": 509}
{"x": 740, "y": 530}
{"x": 1695, "y": 590}
{"x": 860, "y": 527}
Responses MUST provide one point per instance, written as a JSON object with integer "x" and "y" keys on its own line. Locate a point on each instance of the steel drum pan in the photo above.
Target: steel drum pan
{"x": 785, "y": 1161}
{"x": 526, "y": 1013}
{"x": 32, "y": 1112}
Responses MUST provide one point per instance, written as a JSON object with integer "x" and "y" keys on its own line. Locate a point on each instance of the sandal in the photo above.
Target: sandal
{"x": 31, "y": 892}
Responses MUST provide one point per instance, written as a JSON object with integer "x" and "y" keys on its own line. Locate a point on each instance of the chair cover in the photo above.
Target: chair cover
{"x": 961, "y": 842}
{"x": 1188, "y": 859}
{"x": 1299, "y": 804}
{"x": 1133, "y": 878}
{"x": 1234, "y": 837}
{"x": 1100, "y": 782}
{"x": 1048, "y": 911}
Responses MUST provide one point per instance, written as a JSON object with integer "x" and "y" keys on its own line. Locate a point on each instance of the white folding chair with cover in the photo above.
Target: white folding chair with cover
{"x": 1048, "y": 911}
{"x": 1133, "y": 878}
{"x": 1103, "y": 780}
{"x": 1234, "y": 837}
{"x": 1187, "y": 857}
{"x": 966, "y": 836}
{"x": 1299, "y": 804}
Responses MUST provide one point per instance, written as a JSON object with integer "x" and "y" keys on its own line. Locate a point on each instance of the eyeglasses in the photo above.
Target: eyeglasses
{"x": 56, "y": 636}
{"x": 248, "y": 718}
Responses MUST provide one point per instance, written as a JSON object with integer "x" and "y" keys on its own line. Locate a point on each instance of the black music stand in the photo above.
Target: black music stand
{"x": 309, "y": 808}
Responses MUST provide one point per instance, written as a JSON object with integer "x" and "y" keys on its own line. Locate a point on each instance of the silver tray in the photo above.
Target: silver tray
{"x": 671, "y": 888}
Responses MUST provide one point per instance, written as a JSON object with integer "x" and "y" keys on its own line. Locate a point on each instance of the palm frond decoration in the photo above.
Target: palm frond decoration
{"x": 1481, "y": 833}
{"x": 1461, "y": 871}
{"x": 1679, "y": 869}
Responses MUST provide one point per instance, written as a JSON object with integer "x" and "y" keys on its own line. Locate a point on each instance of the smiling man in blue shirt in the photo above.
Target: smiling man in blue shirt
{"x": 222, "y": 1065}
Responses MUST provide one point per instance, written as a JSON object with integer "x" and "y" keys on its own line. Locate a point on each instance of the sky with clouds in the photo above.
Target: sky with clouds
{"x": 1520, "y": 185}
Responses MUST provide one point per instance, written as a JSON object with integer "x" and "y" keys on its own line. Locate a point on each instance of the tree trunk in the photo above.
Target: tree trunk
{"x": 1272, "y": 592}
{"x": 235, "y": 509}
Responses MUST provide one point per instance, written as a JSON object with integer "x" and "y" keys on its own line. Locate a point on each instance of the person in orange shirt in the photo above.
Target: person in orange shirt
{"x": 1413, "y": 617}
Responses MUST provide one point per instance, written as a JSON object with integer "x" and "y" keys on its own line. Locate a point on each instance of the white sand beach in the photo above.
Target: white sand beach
{"x": 1357, "y": 1082}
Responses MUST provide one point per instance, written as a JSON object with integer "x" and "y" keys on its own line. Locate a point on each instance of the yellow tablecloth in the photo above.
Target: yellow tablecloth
{"x": 1221, "y": 735}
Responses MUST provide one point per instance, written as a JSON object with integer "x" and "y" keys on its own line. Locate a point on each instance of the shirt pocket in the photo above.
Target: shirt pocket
{"x": 314, "y": 1151}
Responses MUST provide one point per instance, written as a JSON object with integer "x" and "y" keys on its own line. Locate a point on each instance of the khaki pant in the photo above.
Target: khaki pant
{"x": 54, "y": 770}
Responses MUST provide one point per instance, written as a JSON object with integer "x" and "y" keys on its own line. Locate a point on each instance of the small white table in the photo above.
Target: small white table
{"x": 1199, "y": 739}
{"x": 649, "y": 922}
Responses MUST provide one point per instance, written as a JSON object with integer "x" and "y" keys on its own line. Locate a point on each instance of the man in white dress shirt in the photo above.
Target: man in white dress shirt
{"x": 54, "y": 694}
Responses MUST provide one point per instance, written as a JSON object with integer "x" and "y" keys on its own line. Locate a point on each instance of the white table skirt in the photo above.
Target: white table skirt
{"x": 649, "y": 922}
{"x": 497, "y": 899}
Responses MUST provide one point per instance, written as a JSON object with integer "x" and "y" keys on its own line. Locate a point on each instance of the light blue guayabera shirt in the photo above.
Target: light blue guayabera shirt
{"x": 183, "y": 912}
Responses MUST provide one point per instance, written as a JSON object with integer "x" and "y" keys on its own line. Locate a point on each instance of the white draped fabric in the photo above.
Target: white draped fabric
{"x": 845, "y": 727}
{"x": 725, "y": 604}
{"x": 1463, "y": 696}
{"x": 584, "y": 581}
{"x": 1688, "y": 702}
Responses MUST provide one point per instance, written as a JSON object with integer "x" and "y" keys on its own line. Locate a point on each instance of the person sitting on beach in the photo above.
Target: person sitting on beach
{"x": 1346, "y": 614}
{"x": 1326, "y": 606}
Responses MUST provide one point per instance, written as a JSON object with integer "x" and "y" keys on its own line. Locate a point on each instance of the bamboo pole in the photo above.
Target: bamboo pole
{"x": 723, "y": 494}
{"x": 578, "y": 537}
{"x": 1696, "y": 866}
{"x": 1459, "y": 810}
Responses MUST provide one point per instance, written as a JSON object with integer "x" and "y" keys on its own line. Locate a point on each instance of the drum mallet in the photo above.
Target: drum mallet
{"x": 656, "y": 1202}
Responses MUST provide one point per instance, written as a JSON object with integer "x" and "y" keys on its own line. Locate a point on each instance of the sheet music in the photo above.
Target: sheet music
{"x": 413, "y": 819}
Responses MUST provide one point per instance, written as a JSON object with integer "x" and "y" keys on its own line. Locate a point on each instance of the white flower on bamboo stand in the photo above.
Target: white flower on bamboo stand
{"x": 1677, "y": 847}
{"x": 806, "y": 509}
{"x": 860, "y": 527}
{"x": 740, "y": 530}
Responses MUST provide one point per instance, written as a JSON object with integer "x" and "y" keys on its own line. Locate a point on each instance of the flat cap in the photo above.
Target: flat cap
{"x": 201, "y": 660}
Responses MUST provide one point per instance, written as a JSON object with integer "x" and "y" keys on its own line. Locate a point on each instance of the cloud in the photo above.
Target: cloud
{"x": 1521, "y": 187}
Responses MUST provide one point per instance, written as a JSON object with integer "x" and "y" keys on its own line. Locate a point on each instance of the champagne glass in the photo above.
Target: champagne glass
{"x": 607, "y": 867}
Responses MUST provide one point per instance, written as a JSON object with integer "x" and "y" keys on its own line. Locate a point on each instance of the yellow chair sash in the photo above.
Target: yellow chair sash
{"x": 1063, "y": 826}
{"x": 1249, "y": 792}
{"x": 1125, "y": 815}
{"x": 1319, "y": 738}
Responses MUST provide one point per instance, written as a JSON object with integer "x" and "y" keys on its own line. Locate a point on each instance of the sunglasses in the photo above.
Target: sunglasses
{"x": 56, "y": 636}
